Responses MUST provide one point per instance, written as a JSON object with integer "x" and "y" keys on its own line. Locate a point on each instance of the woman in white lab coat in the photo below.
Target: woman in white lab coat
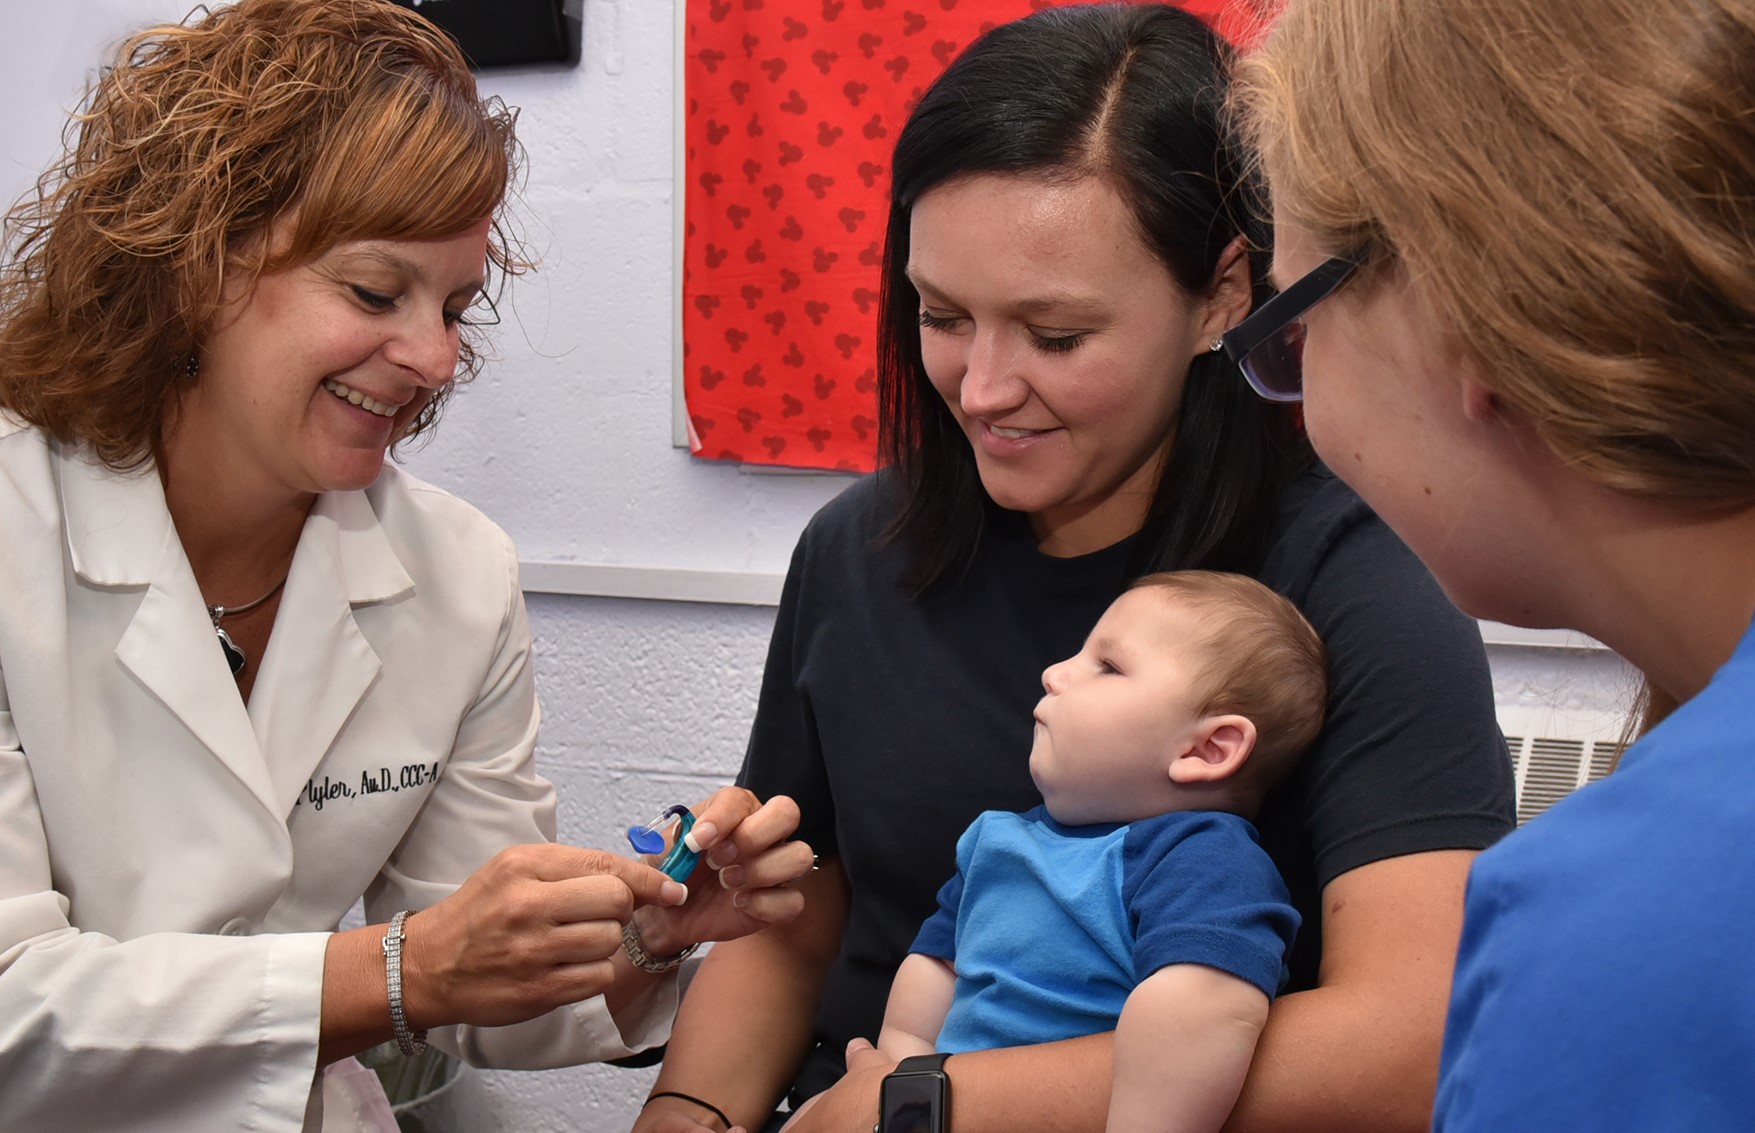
{"x": 248, "y": 672}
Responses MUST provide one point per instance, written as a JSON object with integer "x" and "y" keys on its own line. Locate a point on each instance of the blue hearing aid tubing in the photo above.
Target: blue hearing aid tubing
{"x": 647, "y": 839}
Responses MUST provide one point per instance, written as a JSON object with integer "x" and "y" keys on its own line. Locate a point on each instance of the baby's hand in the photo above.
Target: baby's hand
{"x": 896, "y": 1044}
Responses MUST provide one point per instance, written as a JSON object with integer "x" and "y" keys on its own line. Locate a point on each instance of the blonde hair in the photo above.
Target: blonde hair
{"x": 1570, "y": 184}
{"x": 327, "y": 120}
{"x": 1264, "y": 661}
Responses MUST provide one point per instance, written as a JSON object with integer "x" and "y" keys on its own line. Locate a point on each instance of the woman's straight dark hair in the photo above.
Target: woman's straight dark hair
{"x": 1134, "y": 94}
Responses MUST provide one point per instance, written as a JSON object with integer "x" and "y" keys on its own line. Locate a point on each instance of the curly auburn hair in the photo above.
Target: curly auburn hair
{"x": 326, "y": 121}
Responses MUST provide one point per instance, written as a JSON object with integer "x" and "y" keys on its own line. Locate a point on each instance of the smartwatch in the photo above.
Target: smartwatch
{"x": 915, "y": 1097}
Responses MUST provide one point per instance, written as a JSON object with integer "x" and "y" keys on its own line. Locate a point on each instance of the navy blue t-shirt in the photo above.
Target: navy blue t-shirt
{"x": 894, "y": 721}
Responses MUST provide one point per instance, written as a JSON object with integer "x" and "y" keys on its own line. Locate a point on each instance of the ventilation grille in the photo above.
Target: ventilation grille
{"x": 1549, "y": 768}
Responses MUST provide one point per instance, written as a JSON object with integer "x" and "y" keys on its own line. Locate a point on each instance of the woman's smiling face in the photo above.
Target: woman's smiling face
{"x": 1059, "y": 341}
{"x": 312, "y": 372}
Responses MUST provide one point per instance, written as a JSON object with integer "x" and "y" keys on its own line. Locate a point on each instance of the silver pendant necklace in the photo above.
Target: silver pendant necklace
{"x": 234, "y": 656}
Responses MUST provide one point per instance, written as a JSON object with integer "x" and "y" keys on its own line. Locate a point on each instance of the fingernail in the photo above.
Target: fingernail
{"x": 722, "y": 855}
{"x": 740, "y": 899}
{"x": 732, "y": 878}
{"x": 701, "y": 834}
{"x": 674, "y": 893}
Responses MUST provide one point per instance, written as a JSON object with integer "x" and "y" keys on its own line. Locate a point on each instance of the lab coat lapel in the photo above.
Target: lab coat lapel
{"x": 120, "y": 536}
{"x": 319, "y": 665}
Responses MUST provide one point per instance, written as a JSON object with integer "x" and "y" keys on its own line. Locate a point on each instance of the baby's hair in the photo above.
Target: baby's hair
{"x": 1264, "y": 661}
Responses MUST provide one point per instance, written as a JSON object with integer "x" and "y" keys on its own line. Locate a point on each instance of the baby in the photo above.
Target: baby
{"x": 1136, "y": 899}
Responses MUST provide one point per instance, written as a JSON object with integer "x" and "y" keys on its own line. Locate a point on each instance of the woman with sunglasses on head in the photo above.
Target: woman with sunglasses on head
{"x": 1067, "y": 241}
{"x": 1540, "y": 368}
{"x": 250, "y": 672}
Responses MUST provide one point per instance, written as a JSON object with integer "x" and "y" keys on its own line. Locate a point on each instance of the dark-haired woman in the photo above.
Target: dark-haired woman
{"x": 1066, "y": 243}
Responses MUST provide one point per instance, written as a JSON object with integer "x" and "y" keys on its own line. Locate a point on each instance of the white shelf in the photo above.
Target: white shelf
{"x": 750, "y": 588}
{"x": 1498, "y": 633}
{"x": 599, "y": 580}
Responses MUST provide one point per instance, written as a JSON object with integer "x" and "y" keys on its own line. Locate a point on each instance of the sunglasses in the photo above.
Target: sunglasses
{"x": 1268, "y": 346}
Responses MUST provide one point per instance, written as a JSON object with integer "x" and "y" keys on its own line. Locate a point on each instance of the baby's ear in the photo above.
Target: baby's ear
{"x": 1215, "y": 750}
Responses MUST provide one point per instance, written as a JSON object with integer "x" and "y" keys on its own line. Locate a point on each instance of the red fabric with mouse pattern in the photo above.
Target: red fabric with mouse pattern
{"x": 792, "y": 110}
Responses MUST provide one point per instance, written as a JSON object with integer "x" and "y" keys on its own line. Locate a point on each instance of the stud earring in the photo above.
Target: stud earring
{"x": 1216, "y": 345}
{"x": 192, "y": 368}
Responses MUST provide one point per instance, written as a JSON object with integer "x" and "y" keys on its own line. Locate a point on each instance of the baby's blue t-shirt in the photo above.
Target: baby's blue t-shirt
{"x": 1605, "y": 979}
{"x": 1050, "y": 926}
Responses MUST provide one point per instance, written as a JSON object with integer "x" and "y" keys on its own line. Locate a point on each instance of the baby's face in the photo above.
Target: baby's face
{"x": 1116, "y": 711}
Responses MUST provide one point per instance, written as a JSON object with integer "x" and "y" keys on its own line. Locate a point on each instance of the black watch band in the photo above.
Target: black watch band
{"x": 915, "y": 1097}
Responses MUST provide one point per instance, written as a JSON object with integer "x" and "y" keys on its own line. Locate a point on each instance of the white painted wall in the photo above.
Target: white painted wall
{"x": 566, "y": 441}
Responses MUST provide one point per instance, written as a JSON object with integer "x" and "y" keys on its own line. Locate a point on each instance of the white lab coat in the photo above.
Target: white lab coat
{"x": 171, "y": 862}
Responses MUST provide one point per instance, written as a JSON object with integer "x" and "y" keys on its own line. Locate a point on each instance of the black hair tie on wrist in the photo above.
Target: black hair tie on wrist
{"x": 717, "y": 1112}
